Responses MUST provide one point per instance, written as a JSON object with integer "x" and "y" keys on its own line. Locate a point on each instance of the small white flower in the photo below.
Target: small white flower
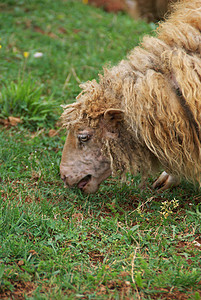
{"x": 197, "y": 244}
{"x": 38, "y": 54}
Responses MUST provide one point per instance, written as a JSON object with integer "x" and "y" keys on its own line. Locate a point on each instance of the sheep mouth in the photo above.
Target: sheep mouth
{"x": 84, "y": 181}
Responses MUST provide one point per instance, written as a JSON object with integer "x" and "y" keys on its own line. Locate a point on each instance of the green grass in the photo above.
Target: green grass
{"x": 25, "y": 101}
{"x": 57, "y": 243}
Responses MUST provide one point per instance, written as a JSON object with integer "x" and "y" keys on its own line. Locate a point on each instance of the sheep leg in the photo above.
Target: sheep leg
{"x": 165, "y": 181}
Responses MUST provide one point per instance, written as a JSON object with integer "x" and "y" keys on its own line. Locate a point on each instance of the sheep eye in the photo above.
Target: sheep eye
{"x": 83, "y": 137}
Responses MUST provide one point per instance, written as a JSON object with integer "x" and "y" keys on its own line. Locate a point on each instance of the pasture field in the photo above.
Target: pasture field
{"x": 121, "y": 243}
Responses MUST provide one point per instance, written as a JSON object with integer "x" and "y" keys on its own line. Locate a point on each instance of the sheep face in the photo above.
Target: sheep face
{"x": 82, "y": 163}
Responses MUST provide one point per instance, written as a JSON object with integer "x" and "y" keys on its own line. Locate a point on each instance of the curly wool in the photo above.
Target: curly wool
{"x": 159, "y": 89}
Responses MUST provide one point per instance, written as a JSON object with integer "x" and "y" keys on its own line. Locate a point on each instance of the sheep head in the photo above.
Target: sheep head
{"x": 83, "y": 162}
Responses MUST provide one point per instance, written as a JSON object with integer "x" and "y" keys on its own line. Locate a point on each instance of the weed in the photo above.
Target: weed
{"x": 24, "y": 100}
{"x": 167, "y": 207}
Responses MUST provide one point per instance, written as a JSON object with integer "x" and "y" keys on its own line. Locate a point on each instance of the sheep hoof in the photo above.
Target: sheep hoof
{"x": 165, "y": 181}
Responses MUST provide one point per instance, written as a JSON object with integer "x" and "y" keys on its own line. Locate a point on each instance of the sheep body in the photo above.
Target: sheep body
{"x": 158, "y": 89}
{"x": 149, "y": 10}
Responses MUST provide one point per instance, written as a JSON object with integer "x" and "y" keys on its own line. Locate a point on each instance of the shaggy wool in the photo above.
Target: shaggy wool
{"x": 159, "y": 90}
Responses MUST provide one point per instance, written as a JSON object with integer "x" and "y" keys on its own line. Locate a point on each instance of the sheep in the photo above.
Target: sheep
{"x": 149, "y": 10}
{"x": 144, "y": 114}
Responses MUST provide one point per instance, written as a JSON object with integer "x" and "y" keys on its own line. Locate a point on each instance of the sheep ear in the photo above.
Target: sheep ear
{"x": 112, "y": 114}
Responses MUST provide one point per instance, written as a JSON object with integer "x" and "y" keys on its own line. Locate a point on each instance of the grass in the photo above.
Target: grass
{"x": 25, "y": 101}
{"x": 122, "y": 242}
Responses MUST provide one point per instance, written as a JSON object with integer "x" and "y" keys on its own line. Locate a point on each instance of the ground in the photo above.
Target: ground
{"x": 121, "y": 243}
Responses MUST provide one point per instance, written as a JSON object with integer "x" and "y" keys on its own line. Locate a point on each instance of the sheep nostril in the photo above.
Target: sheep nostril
{"x": 63, "y": 177}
